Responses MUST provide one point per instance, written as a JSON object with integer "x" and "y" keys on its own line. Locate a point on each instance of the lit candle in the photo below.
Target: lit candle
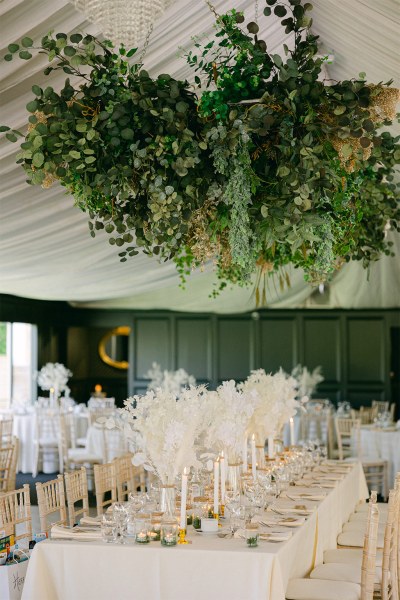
{"x": 216, "y": 486}
{"x": 245, "y": 455}
{"x": 98, "y": 388}
{"x": 183, "y": 497}
{"x": 223, "y": 478}
{"x": 291, "y": 425}
{"x": 271, "y": 450}
{"x": 253, "y": 456}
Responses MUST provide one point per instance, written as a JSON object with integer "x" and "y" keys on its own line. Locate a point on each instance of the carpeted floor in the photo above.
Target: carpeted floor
{"x": 23, "y": 478}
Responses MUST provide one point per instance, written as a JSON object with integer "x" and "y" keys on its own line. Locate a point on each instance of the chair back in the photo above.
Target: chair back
{"x": 129, "y": 477}
{"x": 77, "y": 491}
{"x": 380, "y": 406}
{"x": 14, "y": 464}
{"x": 6, "y": 462}
{"x": 15, "y": 514}
{"x": 345, "y": 429}
{"x": 51, "y": 500}
{"x": 105, "y": 482}
{"x": 99, "y": 413}
{"x": 390, "y": 582}
{"x": 315, "y": 426}
{"x": 369, "y": 552}
{"x": 6, "y": 430}
{"x": 366, "y": 414}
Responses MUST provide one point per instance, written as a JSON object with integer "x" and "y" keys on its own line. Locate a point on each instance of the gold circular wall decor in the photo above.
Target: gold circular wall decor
{"x": 105, "y": 357}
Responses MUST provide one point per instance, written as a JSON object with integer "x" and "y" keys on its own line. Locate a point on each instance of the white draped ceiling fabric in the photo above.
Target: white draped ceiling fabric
{"x": 45, "y": 248}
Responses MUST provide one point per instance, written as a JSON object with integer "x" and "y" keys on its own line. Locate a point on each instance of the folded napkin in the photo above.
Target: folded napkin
{"x": 340, "y": 470}
{"x": 91, "y": 521}
{"x": 331, "y": 477}
{"x": 300, "y": 510}
{"x": 279, "y": 536}
{"x": 291, "y": 521}
{"x": 336, "y": 463}
{"x": 314, "y": 497}
{"x": 58, "y": 532}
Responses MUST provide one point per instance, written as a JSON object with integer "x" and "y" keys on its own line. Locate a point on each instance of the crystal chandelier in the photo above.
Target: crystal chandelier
{"x": 123, "y": 21}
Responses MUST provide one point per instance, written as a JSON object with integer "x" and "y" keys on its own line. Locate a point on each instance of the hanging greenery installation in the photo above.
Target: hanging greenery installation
{"x": 259, "y": 163}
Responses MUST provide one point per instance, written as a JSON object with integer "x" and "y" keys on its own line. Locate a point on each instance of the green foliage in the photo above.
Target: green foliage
{"x": 3, "y": 339}
{"x": 266, "y": 166}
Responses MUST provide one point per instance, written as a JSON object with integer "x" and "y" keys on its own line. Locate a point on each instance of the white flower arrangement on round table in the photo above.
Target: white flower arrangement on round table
{"x": 53, "y": 375}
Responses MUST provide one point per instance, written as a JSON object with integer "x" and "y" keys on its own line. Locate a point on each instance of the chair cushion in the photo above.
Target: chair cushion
{"x": 355, "y": 539}
{"x": 360, "y": 526}
{"x": 82, "y": 455}
{"x": 342, "y": 572}
{"x": 319, "y": 589}
{"x": 349, "y": 555}
{"x": 363, "y": 507}
{"x": 48, "y": 442}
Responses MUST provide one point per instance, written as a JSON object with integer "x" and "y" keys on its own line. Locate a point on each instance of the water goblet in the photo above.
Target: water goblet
{"x": 120, "y": 517}
{"x": 108, "y": 528}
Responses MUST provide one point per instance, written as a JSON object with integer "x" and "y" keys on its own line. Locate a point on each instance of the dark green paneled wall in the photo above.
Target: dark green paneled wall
{"x": 358, "y": 350}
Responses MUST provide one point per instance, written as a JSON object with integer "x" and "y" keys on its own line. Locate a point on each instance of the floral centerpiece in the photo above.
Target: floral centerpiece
{"x": 230, "y": 411}
{"x": 307, "y": 381}
{"x": 169, "y": 381}
{"x": 164, "y": 429}
{"x": 276, "y": 402}
{"x": 53, "y": 376}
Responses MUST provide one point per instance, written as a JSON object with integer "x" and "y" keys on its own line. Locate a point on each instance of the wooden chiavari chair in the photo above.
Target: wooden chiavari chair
{"x": 344, "y": 432}
{"x": 105, "y": 483}
{"x": 72, "y": 458}
{"x": 129, "y": 477}
{"x": 51, "y": 500}
{"x": 6, "y": 461}
{"x": 76, "y": 491}
{"x": 360, "y": 583}
{"x": 47, "y": 436}
{"x": 14, "y": 464}
{"x": 6, "y": 430}
{"x": 15, "y": 512}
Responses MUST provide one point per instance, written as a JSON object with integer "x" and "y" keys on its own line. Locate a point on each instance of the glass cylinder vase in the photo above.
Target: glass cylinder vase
{"x": 167, "y": 499}
{"x": 233, "y": 479}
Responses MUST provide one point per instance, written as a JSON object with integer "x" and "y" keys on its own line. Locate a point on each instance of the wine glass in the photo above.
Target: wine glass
{"x": 120, "y": 517}
{"x": 232, "y": 502}
{"x": 136, "y": 502}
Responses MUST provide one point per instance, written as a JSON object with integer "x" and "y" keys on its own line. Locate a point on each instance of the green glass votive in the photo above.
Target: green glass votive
{"x": 252, "y": 534}
{"x": 169, "y": 532}
{"x": 142, "y": 527}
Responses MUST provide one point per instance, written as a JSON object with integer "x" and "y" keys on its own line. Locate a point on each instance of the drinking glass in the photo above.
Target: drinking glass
{"x": 120, "y": 517}
{"x": 108, "y": 529}
{"x": 136, "y": 502}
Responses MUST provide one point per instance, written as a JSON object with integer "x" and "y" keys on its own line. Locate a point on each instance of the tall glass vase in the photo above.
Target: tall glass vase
{"x": 233, "y": 480}
{"x": 168, "y": 499}
{"x": 260, "y": 456}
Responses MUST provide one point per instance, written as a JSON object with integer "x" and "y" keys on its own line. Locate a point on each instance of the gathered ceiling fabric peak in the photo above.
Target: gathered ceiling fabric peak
{"x": 45, "y": 248}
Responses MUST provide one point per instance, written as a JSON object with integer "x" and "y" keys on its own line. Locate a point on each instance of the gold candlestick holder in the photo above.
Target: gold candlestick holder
{"x": 222, "y": 511}
{"x": 216, "y": 516}
{"x": 182, "y": 536}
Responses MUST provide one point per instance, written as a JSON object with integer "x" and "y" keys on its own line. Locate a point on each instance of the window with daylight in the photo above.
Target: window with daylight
{"x": 18, "y": 361}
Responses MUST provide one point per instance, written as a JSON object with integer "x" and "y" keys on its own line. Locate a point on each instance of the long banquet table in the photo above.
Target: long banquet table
{"x": 210, "y": 567}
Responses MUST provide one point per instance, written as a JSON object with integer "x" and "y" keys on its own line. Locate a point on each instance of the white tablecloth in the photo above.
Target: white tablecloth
{"x": 378, "y": 443}
{"x": 108, "y": 443}
{"x": 211, "y": 567}
{"x": 24, "y": 429}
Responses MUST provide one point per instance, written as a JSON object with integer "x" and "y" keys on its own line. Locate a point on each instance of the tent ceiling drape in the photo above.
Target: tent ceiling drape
{"x": 45, "y": 249}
